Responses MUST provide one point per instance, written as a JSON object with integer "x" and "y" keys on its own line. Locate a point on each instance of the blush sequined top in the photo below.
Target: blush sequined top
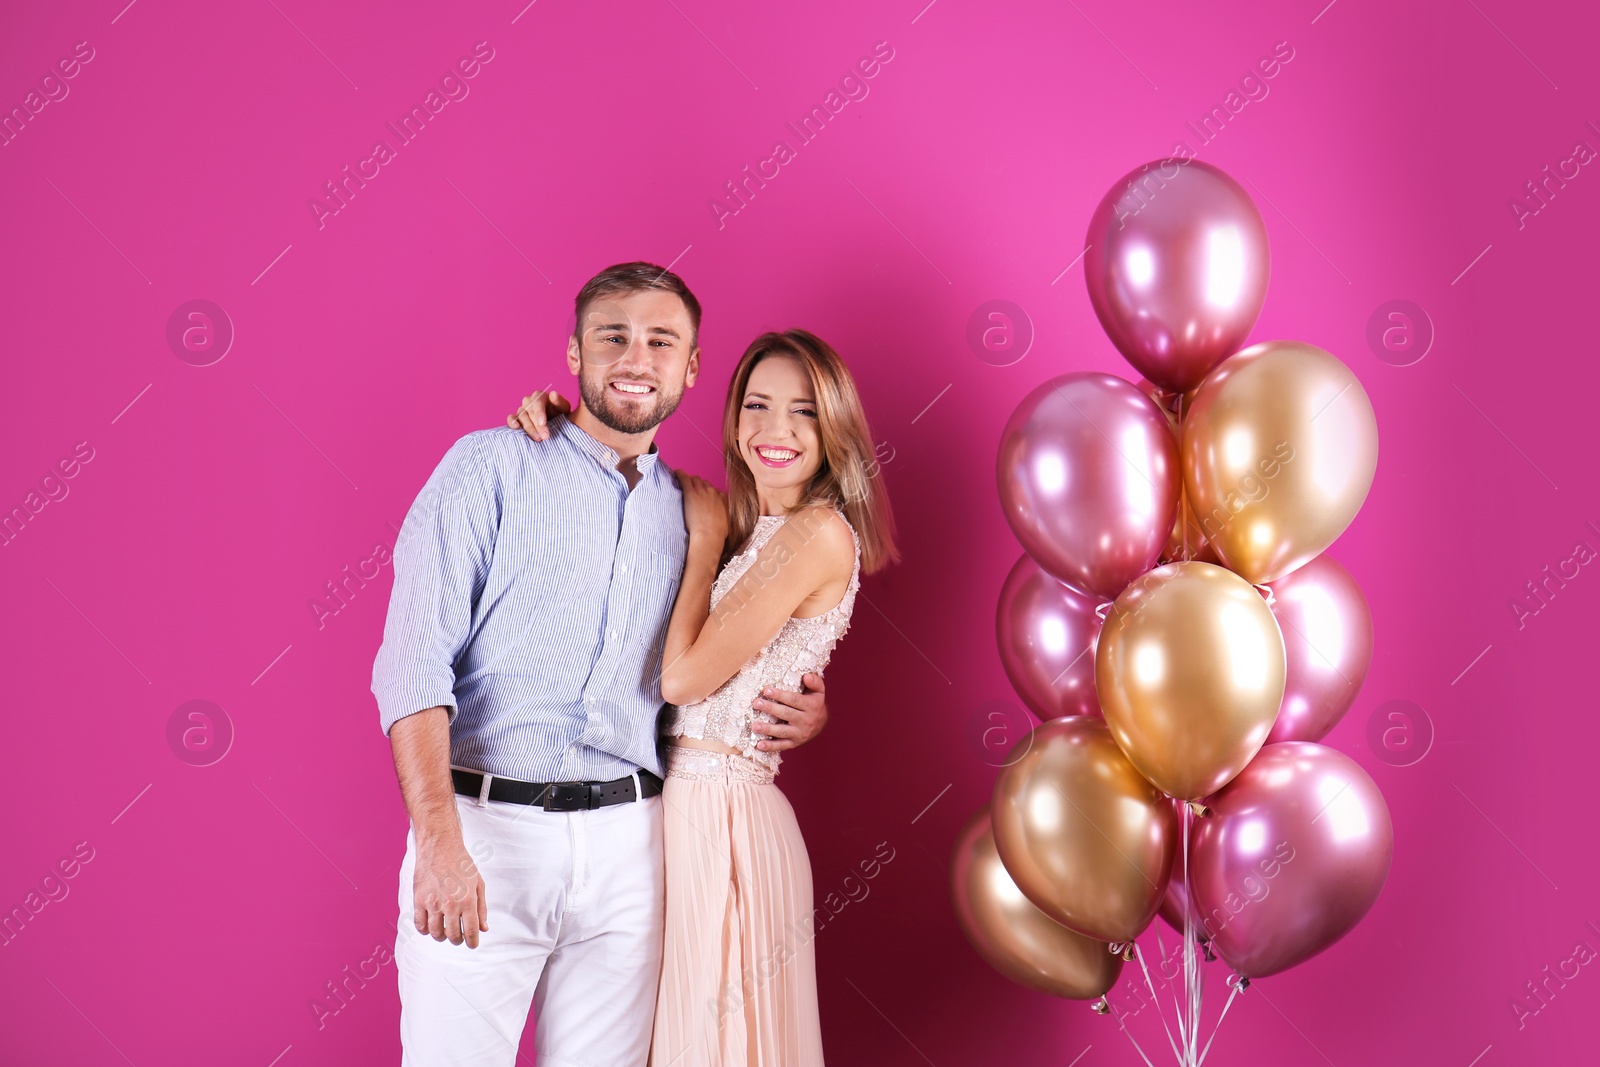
{"x": 800, "y": 647}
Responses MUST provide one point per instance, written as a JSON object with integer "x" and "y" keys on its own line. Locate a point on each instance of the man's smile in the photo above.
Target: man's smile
{"x": 630, "y": 388}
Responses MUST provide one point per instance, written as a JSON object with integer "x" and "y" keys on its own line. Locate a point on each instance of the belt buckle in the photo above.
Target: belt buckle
{"x": 550, "y": 795}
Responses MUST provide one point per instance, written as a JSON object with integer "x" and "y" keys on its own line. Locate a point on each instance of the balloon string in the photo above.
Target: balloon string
{"x": 1123, "y": 1026}
{"x": 1177, "y": 1004}
{"x": 1214, "y": 1029}
{"x": 1191, "y": 966}
{"x": 1199, "y": 1010}
{"x": 1156, "y": 999}
{"x": 1183, "y": 509}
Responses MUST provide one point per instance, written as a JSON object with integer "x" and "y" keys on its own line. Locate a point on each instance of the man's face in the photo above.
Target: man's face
{"x": 634, "y": 354}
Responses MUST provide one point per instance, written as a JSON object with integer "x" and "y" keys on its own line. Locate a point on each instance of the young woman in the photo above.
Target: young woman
{"x": 803, "y": 516}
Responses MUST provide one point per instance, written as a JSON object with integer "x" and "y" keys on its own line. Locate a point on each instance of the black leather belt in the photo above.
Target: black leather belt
{"x": 557, "y": 796}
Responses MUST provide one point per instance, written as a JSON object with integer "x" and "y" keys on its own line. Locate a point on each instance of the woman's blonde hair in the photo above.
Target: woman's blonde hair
{"x": 847, "y": 478}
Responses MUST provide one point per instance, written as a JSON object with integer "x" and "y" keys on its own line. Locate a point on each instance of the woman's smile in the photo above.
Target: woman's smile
{"x": 774, "y": 456}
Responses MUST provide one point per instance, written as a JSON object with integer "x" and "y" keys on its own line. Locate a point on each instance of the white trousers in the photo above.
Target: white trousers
{"x": 575, "y": 924}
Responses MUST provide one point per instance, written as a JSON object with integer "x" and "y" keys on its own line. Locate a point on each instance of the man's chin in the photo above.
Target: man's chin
{"x": 622, "y": 424}
{"x": 624, "y": 421}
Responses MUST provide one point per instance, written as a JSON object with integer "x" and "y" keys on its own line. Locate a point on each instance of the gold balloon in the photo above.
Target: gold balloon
{"x": 1190, "y": 670}
{"x": 1019, "y": 940}
{"x": 1084, "y": 837}
{"x": 1279, "y": 449}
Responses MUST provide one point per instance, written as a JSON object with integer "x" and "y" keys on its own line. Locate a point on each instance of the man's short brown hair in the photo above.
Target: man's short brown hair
{"x": 634, "y": 278}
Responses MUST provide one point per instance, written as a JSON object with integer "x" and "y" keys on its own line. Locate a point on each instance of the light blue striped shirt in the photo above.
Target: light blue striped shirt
{"x": 531, "y": 596}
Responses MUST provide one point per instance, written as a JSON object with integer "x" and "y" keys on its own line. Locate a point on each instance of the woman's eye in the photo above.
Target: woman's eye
{"x": 808, "y": 412}
{"x": 753, "y": 405}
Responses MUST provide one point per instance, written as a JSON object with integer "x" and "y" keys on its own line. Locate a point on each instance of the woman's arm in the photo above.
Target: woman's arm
{"x": 704, "y": 648}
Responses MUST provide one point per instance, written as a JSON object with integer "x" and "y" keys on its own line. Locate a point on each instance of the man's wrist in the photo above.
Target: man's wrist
{"x": 439, "y": 833}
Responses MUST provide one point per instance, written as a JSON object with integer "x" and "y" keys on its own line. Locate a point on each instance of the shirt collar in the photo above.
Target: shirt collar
{"x": 601, "y": 453}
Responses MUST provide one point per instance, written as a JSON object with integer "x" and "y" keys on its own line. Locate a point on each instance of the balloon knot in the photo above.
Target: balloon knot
{"x": 1199, "y": 809}
{"x": 1101, "y": 1007}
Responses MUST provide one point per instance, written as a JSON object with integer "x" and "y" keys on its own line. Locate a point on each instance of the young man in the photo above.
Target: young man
{"x": 518, "y": 682}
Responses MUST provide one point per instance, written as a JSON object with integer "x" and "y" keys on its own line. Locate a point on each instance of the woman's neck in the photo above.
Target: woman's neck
{"x": 776, "y": 502}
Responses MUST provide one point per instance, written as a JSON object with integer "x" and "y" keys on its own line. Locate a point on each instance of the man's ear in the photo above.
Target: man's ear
{"x": 693, "y": 370}
{"x": 574, "y": 354}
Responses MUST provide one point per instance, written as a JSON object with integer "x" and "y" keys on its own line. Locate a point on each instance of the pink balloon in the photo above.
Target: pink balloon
{"x": 1292, "y": 855}
{"x": 1327, "y": 633}
{"x": 1089, "y": 480}
{"x": 1047, "y": 631}
{"x": 1177, "y": 269}
{"x": 1172, "y": 902}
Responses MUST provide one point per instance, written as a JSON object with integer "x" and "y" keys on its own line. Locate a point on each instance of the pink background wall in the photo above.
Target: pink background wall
{"x": 182, "y": 559}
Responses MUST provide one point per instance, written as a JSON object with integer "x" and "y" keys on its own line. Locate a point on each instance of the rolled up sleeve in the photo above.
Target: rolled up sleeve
{"x": 441, "y": 561}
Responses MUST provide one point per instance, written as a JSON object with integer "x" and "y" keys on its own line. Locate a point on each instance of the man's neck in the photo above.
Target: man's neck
{"x": 627, "y": 446}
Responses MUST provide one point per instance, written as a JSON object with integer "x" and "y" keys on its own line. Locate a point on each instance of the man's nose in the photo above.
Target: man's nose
{"x": 639, "y": 356}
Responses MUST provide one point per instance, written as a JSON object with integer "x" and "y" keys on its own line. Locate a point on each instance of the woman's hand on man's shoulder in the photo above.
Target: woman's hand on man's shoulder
{"x": 536, "y": 411}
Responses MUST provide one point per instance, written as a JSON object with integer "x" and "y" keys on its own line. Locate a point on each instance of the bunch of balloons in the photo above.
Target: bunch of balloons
{"x": 1176, "y": 627}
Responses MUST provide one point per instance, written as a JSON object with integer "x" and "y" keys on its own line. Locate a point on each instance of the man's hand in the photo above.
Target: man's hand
{"x": 448, "y": 893}
{"x": 802, "y": 715}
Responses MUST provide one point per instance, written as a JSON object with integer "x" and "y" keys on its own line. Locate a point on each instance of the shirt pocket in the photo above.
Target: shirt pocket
{"x": 655, "y": 588}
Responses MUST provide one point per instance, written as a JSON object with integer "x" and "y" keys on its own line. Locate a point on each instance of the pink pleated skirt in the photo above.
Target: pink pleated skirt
{"x": 738, "y": 973}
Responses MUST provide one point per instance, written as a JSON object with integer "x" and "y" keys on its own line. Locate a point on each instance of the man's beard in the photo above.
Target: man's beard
{"x": 599, "y": 403}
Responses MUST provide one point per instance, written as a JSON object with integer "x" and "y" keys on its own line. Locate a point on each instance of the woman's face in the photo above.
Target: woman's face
{"x": 778, "y": 435}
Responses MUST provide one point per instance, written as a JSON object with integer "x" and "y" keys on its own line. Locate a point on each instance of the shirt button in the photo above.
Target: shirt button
{"x": 622, "y": 568}
{"x": 613, "y": 635}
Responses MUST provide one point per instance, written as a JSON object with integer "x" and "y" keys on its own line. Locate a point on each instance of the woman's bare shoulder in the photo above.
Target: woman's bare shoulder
{"x": 822, "y": 535}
